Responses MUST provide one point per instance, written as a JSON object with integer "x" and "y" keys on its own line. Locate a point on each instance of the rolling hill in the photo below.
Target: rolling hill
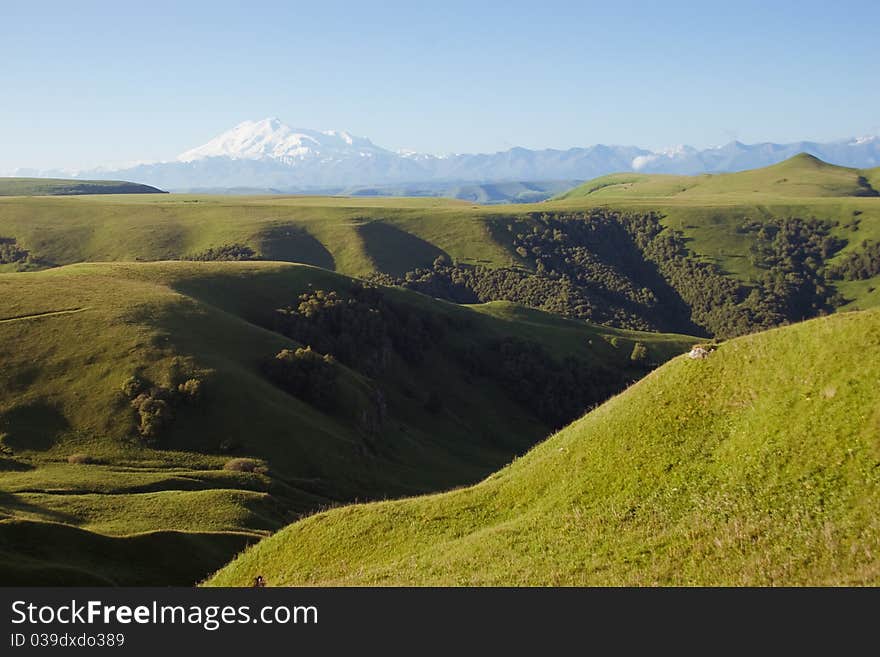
{"x": 581, "y": 267}
{"x": 759, "y": 465}
{"x": 61, "y": 187}
{"x": 150, "y": 409}
{"x": 800, "y": 176}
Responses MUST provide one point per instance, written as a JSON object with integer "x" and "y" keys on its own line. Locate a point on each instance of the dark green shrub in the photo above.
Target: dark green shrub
{"x": 306, "y": 374}
{"x": 132, "y": 387}
{"x": 154, "y": 405}
{"x": 859, "y": 265}
{"x": 227, "y": 252}
{"x": 362, "y": 328}
{"x": 10, "y": 252}
{"x": 154, "y": 414}
{"x": 191, "y": 390}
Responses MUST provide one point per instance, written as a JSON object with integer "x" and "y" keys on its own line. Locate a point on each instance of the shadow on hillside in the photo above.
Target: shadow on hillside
{"x": 35, "y": 426}
{"x": 11, "y": 465}
{"x": 10, "y": 503}
{"x": 395, "y": 251}
{"x": 294, "y": 244}
{"x": 36, "y": 553}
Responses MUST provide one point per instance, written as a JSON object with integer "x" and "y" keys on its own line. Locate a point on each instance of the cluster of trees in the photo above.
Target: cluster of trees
{"x": 600, "y": 265}
{"x": 363, "y": 328}
{"x": 154, "y": 405}
{"x": 306, "y": 374}
{"x": 477, "y": 284}
{"x": 10, "y": 252}
{"x": 626, "y": 269}
{"x": 606, "y": 253}
{"x": 227, "y": 252}
{"x": 555, "y": 392}
{"x": 713, "y": 301}
{"x": 791, "y": 252}
{"x": 858, "y": 265}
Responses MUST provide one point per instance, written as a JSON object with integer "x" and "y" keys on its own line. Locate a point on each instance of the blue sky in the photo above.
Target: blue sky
{"x": 88, "y": 83}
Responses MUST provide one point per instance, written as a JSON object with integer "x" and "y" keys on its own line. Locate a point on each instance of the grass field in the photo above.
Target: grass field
{"x": 757, "y": 466}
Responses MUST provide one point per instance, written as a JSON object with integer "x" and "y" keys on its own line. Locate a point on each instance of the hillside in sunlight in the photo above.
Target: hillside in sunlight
{"x": 759, "y": 465}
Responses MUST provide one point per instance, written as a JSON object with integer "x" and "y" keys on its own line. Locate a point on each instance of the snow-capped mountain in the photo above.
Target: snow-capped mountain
{"x": 272, "y": 139}
{"x": 269, "y": 154}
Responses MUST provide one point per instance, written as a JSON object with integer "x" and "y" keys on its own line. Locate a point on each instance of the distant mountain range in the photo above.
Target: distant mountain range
{"x": 269, "y": 155}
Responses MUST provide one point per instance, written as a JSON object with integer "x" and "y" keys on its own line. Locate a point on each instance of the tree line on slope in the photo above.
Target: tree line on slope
{"x": 366, "y": 331}
{"x": 858, "y": 265}
{"x": 225, "y": 253}
{"x": 11, "y": 253}
{"x": 791, "y": 254}
{"x": 626, "y": 269}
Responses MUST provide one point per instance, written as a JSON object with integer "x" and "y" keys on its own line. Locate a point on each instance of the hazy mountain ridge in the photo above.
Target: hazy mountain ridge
{"x": 270, "y": 154}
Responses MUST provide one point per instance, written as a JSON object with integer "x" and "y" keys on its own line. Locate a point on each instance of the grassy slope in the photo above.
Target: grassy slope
{"x": 760, "y": 465}
{"x": 708, "y": 209}
{"x": 50, "y": 553}
{"x": 873, "y": 177}
{"x": 800, "y": 176}
{"x": 60, "y": 187}
{"x": 69, "y": 337}
{"x": 352, "y": 236}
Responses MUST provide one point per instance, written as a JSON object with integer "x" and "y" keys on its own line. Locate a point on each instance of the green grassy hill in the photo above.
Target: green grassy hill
{"x": 364, "y": 236}
{"x": 758, "y": 465}
{"x": 711, "y": 210}
{"x": 800, "y": 176}
{"x": 351, "y": 236}
{"x": 72, "y": 456}
{"x": 61, "y": 187}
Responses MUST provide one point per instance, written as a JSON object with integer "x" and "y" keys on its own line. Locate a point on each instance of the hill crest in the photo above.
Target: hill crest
{"x": 70, "y": 187}
{"x": 802, "y": 175}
